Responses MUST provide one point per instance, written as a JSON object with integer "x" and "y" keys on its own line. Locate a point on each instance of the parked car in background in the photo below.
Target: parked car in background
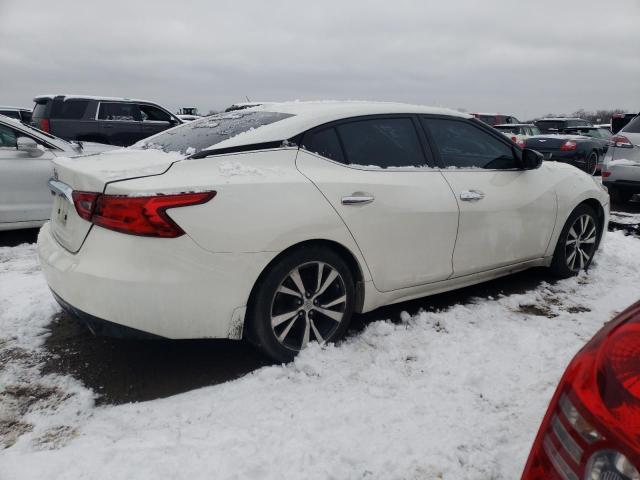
{"x": 518, "y": 132}
{"x": 619, "y": 120}
{"x": 591, "y": 430}
{"x": 25, "y": 168}
{"x": 581, "y": 152}
{"x": 559, "y": 124}
{"x": 22, "y": 114}
{"x": 621, "y": 164}
{"x": 495, "y": 118}
{"x": 600, "y": 135}
{"x": 338, "y": 192}
{"x": 113, "y": 121}
{"x": 604, "y": 126}
{"x": 244, "y": 106}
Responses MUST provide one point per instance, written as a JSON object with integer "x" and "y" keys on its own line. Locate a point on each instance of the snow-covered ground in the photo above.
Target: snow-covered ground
{"x": 454, "y": 394}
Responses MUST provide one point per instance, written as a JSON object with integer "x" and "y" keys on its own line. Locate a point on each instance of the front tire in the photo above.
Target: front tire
{"x": 308, "y": 295}
{"x": 577, "y": 243}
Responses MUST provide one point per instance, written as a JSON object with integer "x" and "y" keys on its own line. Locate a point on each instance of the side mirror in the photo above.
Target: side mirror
{"x": 26, "y": 144}
{"x": 531, "y": 159}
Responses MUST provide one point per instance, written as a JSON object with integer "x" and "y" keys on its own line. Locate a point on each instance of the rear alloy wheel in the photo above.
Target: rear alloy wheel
{"x": 591, "y": 164}
{"x": 308, "y": 296}
{"x": 577, "y": 243}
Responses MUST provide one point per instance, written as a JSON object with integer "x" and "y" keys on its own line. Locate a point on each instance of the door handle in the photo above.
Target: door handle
{"x": 357, "y": 198}
{"x": 471, "y": 195}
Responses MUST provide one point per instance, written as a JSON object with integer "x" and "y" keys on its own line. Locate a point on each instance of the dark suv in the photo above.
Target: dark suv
{"x": 555, "y": 125}
{"x": 115, "y": 121}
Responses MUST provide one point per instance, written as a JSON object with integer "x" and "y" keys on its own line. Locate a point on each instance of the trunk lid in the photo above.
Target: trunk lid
{"x": 91, "y": 174}
{"x": 547, "y": 143}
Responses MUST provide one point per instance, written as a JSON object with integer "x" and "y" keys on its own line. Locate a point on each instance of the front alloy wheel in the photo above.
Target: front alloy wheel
{"x": 306, "y": 296}
{"x": 577, "y": 243}
{"x": 581, "y": 243}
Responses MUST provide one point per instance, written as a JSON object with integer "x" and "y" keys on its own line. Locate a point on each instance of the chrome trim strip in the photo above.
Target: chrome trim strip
{"x": 61, "y": 188}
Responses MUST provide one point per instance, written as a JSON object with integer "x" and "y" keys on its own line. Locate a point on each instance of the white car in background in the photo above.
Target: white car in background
{"x": 518, "y": 132}
{"x": 287, "y": 218}
{"x": 621, "y": 164}
{"x": 25, "y": 168}
{"x": 188, "y": 118}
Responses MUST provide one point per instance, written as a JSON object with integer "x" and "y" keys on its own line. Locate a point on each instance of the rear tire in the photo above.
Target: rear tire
{"x": 308, "y": 295}
{"x": 591, "y": 163}
{"x": 577, "y": 243}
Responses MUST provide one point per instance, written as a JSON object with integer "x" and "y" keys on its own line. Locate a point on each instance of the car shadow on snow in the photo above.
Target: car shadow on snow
{"x": 121, "y": 371}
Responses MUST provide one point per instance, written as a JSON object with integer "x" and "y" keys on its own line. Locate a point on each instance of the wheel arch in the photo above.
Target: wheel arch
{"x": 346, "y": 254}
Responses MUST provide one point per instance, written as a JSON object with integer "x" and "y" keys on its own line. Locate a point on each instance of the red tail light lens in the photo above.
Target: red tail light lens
{"x": 44, "y": 125}
{"x": 146, "y": 216}
{"x": 521, "y": 143}
{"x": 605, "y": 174}
{"x": 592, "y": 428}
{"x": 621, "y": 141}
{"x": 85, "y": 203}
{"x": 568, "y": 146}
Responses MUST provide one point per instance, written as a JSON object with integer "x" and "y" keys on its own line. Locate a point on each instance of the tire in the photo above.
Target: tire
{"x": 619, "y": 195}
{"x": 591, "y": 163}
{"x": 577, "y": 243}
{"x": 291, "y": 306}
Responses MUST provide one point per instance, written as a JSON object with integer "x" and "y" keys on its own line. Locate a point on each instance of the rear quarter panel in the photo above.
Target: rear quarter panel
{"x": 263, "y": 203}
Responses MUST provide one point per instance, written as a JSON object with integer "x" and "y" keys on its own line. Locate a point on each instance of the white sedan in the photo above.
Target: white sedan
{"x": 25, "y": 168}
{"x": 276, "y": 223}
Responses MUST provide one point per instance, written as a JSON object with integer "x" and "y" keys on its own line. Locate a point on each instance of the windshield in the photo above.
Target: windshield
{"x": 207, "y": 132}
{"x": 550, "y": 125}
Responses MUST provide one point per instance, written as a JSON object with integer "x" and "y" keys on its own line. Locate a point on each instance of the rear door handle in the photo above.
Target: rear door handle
{"x": 471, "y": 195}
{"x": 357, "y": 199}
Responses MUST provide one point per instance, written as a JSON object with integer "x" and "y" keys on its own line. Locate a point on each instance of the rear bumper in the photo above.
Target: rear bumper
{"x": 165, "y": 287}
{"x": 627, "y": 184}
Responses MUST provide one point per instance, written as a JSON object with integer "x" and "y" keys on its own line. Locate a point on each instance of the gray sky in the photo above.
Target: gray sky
{"x": 519, "y": 57}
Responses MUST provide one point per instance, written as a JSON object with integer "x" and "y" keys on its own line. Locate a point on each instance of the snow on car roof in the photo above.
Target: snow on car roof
{"x": 88, "y": 97}
{"x": 306, "y": 115}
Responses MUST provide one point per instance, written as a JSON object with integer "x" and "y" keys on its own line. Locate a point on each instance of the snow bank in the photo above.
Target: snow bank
{"x": 453, "y": 394}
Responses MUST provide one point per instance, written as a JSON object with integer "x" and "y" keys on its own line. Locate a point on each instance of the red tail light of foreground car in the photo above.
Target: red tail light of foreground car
{"x": 592, "y": 428}
{"x": 146, "y": 216}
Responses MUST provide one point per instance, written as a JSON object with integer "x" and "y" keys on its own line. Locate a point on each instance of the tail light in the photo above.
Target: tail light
{"x": 521, "y": 143}
{"x": 592, "y": 428}
{"x": 43, "y": 125}
{"x": 146, "y": 216}
{"x": 605, "y": 174}
{"x": 621, "y": 141}
{"x": 568, "y": 146}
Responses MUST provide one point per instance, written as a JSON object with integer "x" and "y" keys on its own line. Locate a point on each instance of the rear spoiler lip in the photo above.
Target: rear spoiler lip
{"x": 243, "y": 148}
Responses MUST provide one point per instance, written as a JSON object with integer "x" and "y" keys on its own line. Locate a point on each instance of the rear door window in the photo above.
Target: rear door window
{"x": 382, "y": 142}
{"x": 150, "y": 113}
{"x": 69, "y": 109}
{"x": 117, "y": 111}
{"x": 324, "y": 143}
{"x": 464, "y": 145}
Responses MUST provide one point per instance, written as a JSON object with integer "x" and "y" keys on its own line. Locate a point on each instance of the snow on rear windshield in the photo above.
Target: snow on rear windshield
{"x": 203, "y": 133}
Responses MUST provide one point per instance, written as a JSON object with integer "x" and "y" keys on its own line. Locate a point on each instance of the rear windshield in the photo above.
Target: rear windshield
{"x": 508, "y": 129}
{"x": 40, "y": 109}
{"x": 200, "y": 134}
{"x": 548, "y": 125}
{"x": 11, "y": 113}
{"x": 633, "y": 126}
{"x": 488, "y": 119}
